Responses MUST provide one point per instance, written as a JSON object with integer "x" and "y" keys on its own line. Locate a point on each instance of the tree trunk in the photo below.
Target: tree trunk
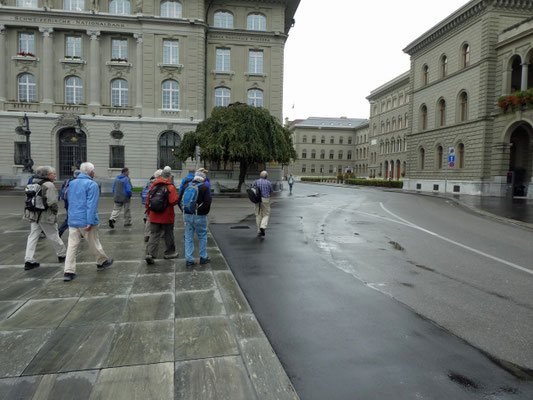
{"x": 242, "y": 173}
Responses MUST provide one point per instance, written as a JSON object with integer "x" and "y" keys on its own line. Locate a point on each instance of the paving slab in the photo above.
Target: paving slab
{"x": 56, "y": 288}
{"x": 46, "y": 313}
{"x": 96, "y": 310}
{"x": 20, "y": 289}
{"x": 154, "y": 283}
{"x": 110, "y": 286}
{"x": 200, "y": 303}
{"x": 149, "y": 307}
{"x": 246, "y": 326}
{"x": 19, "y": 348}
{"x": 231, "y": 292}
{"x": 194, "y": 280}
{"x": 8, "y": 307}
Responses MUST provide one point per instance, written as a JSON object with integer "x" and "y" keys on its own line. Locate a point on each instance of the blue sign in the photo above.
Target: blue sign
{"x": 451, "y": 158}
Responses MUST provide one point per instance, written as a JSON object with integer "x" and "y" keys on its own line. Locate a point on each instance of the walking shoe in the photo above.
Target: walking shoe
{"x": 189, "y": 264}
{"x": 149, "y": 259}
{"x": 61, "y": 259}
{"x": 205, "y": 260}
{"x": 262, "y": 231}
{"x": 259, "y": 234}
{"x": 146, "y": 239}
{"x": 67, "y": 277}
{"x": 42, "y": 235}
{"x": 169, "y": 256}
{"x": 30, "y": 265}
{"x": 106, "y": 264}
{"x": 111, "y": 223}
{"x": 126, "y": 225}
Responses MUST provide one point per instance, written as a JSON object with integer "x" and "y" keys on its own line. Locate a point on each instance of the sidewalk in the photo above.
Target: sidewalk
{"x": 132, "y": 331}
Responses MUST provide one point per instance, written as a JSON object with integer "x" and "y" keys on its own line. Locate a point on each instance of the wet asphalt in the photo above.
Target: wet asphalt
{"x": 365, "y": 294}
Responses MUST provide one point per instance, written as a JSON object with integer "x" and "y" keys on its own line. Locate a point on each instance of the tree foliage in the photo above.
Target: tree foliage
{"x": 240, "y": 133}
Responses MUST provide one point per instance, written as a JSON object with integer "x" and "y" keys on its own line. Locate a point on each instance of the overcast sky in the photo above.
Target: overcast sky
{"x": 341, "y": 50}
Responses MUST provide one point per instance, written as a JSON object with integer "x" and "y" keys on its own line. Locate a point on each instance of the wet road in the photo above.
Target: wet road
{"x": 368, "y": 294}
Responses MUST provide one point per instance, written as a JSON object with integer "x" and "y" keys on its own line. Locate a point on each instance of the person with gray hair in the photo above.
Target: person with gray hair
{"x": 63, "y": 196}
{"x": 144, "y": 195}
{"x": 83, "y": 196}
{"x": 45, "y": 219}
{"x": 122, "y": 192}
{"x": 262, "y": 209}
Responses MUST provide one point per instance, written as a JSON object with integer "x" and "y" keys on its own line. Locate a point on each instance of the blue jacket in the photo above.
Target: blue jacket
{"x": 82, "y": 196}
{"x": 122, "y": 189}
{"x": 188, "y": 178}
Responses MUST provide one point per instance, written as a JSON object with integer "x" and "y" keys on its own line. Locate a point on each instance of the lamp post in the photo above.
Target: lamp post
{"x": 25, "y": 130}
{"x": 79, "y": 136}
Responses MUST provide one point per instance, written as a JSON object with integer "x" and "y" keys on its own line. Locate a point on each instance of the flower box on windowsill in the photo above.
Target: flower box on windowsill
{"x": 118, "y": 111}
{"x": 19, "y": 57}
{"x": 72, "y": 60}
{"x": 230, "y": 73}
{"x": 69, "y": 108}
{"x": 15, "y": 105}
{"x": 118, "y": 63}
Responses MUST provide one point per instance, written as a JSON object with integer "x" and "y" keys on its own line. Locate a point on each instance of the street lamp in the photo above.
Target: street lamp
{"x": 79, "y": 136}
{"x": 25, "y": 130}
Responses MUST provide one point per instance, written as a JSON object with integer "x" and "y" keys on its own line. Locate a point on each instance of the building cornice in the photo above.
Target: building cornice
{"x": 401, "y": 80}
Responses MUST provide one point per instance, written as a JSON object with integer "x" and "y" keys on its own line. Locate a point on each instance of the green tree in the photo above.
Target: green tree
{"x": 239, "y": 133}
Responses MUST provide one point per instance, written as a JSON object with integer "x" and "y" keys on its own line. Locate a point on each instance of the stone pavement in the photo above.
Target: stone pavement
{"x": 132, "y": 331}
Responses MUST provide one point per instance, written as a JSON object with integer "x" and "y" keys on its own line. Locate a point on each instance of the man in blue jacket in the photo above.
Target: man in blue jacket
{"x": 122, "y": 192}
{"x": 82, "y": 196}
{"x": 187, "y": 179}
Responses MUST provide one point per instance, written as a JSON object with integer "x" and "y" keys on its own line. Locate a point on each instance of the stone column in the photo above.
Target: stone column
{"x": 525, "y": 68}
{"x": 94, "y": 69}
{"x": 48, "y": 65}
{"x": 139, "y": 71}
{"x": 3, "y": 66}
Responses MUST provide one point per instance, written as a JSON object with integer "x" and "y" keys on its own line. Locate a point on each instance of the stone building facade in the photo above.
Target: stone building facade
{"x": 137, "y": 74}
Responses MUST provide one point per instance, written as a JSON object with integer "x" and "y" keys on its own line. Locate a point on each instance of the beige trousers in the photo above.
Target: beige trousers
{"x": 117, "y": 207}
{"x": 74, "y": 239}
{"x": 262, "y": 213}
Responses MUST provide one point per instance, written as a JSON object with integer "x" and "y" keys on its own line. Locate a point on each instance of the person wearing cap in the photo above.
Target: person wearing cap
{"x": 63, "y": 196}
{"x": 162, "y": 223}
{"x": 196, "y": 222}
{"x": 122, "y": 192}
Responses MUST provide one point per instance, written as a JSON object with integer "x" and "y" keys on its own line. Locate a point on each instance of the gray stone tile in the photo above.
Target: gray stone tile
{"x": 153, "y": 283}
{"x": 8, "y": 307}
{"x": 19, "y": 348}
{"x": 11, "y": 273}
{"x": 96, "y": 310}
{"x": 194, "y": 280}
{"x": 198, "y": 304}
{"x": 57, "y": 288}
{"x": 149, "y": 307}
{"x": 110, "y": 286}
{"x": 218, "y": 263}
{"x": 20, "y": 289}
{"x": 246, "y": 326}
{"x": 231, "y": 293}
{"x": 44, "y": 272}
{"x": 181, "y": 266}
{"x": 143, "y": 382}
{"x": 19, "y": 388}
{"x": 268, "y": 376}
{"x": 161, "y": 266}
{"x": 47, "y": 313}
{"x": 142, "y": 343}
{"x": 204, "y": 338}
{"x": 72, "y": 349}
{"x": 213, "y": 379}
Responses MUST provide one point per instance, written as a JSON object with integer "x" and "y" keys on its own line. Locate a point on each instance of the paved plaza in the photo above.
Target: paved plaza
{"x": 132, "y": 331}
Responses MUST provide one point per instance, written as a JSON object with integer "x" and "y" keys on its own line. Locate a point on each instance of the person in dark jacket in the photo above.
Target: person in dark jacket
{"x": 196, "y": 222}
{"x": 63, "y": 196}
{"x": 122, "y": 192}
{"x": 162, "y": 223}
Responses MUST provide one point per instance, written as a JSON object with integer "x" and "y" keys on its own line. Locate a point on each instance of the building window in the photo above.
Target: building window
{"x": 461, "y": 153}
{"x": 340, "y": 154}
{"x": 350, "y": 139}
{"x": 27, "y": 43}
{"x": 323, "y": 140}
{"x": 171, "y": 52}
{"x": 400, "y": 121}
{"x": 444, "y": 66}
{"x": 322, "y": 154}
{"x": 27, "y": 89}
{"x": 256, "y": 22}
{"x": 255, "y": 62}
{"x": 463, "y": 113}
{"x": 330, "y": 169}
{"x": 304, "y": 153}
{"x": 255, "y": 97}
{"x": 171, "y": 91}
{"x": 313, "y": 154}
{"x": 421, "y": 155}
{"x": 388, "y": 126}
{"x": 349, "y": 155}
{"x": 332, "y": 140}
{"x": 439, "y": 157}
{"x": 423, "y": 118}
{"x": 341, "y": 140}
{"x": 119, "y": 93}
{"x": 466, "y": 55}
{"x": 313, "y": 139}
{"x": 312, "y": 168}
{"x": 222, "y": 97}
{"x": 119, "y": 7}
{"x": 119, "y": 49}
{"x": 171, "y": 9}
{"x": 393, "y": 124}
{"x": 400, "y": 99}
{"x": 331, "y": 154}
{"x": 223, "y": 19}
{"x": 27, "y": 3}
{"x": 73, "y": 46}
{"x": 425, "y": 71}
{"x": 442, "y": 112}
{"x": 20, "y": 153}
{"x": 304, "y": 139}
{"x": 223, "y": 60}
{"x": 304, "y": 168}
{"x": 74, "y": 5}
{"x": 169, "y": 143}
{"x": 116, "y": 157}
{"x": 73, "y": 90}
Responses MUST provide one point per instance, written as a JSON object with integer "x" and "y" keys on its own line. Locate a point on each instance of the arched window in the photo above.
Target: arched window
{"x": 73, "y": 90}
{"x": 387, "y": 146}
{"x": 461, "y": 154}
{"x": 331, "y": 154}
{"x": 439, "y": 157}
{"x": 393, "y": 124}
{"x": 304, "y": 139}
{"x": 223, "y": 19}
{"x": 27, "y": 3}
{"x": 313, "y": 154}
{"x": 304, "y": 153}
{"x": 340, "y": 154}
{"x": 516, "y": 74}
{"x": 388, "y": 126}
{"x": 27, "y": 89}
{"x": 465, "y": 55}
{"x": 443, "y": 66}
{"x": 169, "y": 143}
{"x": 119, "y": 7}
{"x": 425, "y": 72}
{"x": 423, "y": 117}
{"x": 171, "y": 92}
{"x": 255, "y": 97}
{"x": 171, "y": 9}
{"x": 381, "y": 148}
{"x": 463, "y": 110}
{"x": 349, "y": 155}
{"x": 399, "y": 141}
{"x": 222, "y": 97}
{"x": 74, "y": 5}
{"x": 256, "y": 22}
{"x": 442, "y": 112}
{"x": 322, "y": 154}
{"x": 400, "y": 121}
{"x": 421, "y": 157}
{"x": 313, "y": 139}
{"x": 382, "y": 127}
{"x": 119, "y": 93}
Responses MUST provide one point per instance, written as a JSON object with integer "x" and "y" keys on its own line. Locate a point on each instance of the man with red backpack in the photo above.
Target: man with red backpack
{"x": 160, "y": 204}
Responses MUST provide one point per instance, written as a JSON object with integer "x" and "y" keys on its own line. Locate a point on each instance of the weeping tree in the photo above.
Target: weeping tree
{"x": 239, "y": 133}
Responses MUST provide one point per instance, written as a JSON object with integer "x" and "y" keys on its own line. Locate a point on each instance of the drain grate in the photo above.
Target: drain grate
{"x": 239, "y": 227}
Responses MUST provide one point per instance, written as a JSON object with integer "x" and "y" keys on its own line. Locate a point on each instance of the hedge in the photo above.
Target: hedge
{"x": 355, "y": 181}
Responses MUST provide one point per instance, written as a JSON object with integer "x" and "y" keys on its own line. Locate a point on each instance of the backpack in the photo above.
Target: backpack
{"x": 158, "y": 198}
{"x": 145, "y": 191}
{"x": 34, "y": 198}
{"x": 64, "y": 189}
{"x": 254, "y": 194}
{"x": 190, "y": 196}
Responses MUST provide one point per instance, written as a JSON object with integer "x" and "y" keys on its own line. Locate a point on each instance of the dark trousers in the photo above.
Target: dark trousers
{"x": 156, "y": 231}
{"x": 63, "y": 227}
